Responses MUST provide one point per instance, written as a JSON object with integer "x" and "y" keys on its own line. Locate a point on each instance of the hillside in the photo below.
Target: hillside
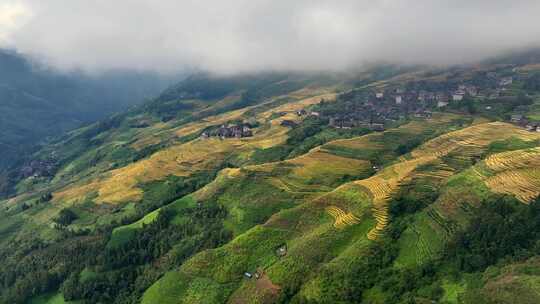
{"x": 37, "y": 103}
{"x": 393, "y": 185}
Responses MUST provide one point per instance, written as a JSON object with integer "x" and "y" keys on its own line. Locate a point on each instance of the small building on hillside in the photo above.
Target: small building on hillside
{"x": 494, "y": 94}
{"x": 426, "y": 96}
{"x": 301, "y": 112}
{"x": 471, "y": 90}
{"x": 442, "y": 104}
{"x": 441, "y": 97}
{"x": 347, "y": 124}
{"x": 423, "y": 114}
{"x": 399, "y": 99}
{"x": 229, "y": 131}
{"x": 379, "y": 127}
{"x": 458, "y": 95}
{"x": 533, "y": 126}
{"x": 288, "y": 123}
{"x": 281, "y": 251}
{"x": 379, "y": 95}
{"x": 516, "y": 118}
{"x": 491, "y": 74}
{"x": 505, "y": 81}
{"x": 343, "y": 123}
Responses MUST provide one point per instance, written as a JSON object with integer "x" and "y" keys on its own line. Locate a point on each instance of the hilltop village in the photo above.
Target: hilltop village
{"x": 490, "y": 93}
{"x": 374, "y": 108}
{"x": 501, "y": 95}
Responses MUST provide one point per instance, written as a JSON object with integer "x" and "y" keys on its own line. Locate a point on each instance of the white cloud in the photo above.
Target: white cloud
{"x": 12, "y": 16}
{"x": 247, "y": 35}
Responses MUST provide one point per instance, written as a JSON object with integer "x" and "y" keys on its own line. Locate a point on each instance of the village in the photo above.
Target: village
{"x": 229, "y": 130}
{"x": 520, "y": 120}
{"x": 40, "y": 168}
{"x": 375, "y": 108}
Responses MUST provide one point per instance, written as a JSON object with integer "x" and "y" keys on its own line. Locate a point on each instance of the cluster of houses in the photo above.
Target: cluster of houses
{"x": 229, "y": 131}
{"x": 423, "y": 97}
{"x": 344, "y": 123}
{"x": 474, "y": 91}
{"x": 520, "y": 120}
{"x": 303, "y": 112}
{"x": 288, "y": 123}
{"x": 442, "y": 98}
{"x": 372, "y": 110}
{"x": 39, "y": 168}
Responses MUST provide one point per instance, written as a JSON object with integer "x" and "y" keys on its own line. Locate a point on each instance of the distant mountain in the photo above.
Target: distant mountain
{"x": 37, "y": 102}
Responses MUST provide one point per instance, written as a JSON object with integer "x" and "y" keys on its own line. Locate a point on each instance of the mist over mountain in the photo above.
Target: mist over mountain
{"x": 241, "y": 35}
{"x": 37, "y": 102}
{"x": 269, "y": 152}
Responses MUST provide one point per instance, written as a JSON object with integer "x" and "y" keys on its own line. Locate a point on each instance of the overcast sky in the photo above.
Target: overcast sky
{"x": 245, "y": 35}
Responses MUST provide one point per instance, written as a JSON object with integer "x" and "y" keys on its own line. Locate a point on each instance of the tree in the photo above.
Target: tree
{"x": 65, "y": 217}
{"x": 45, "y": 197}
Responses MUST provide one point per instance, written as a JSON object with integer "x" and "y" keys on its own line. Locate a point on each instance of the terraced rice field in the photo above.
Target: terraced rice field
{"x": 317, "y": 163}
{"x": 342, "y": 219}
{"x": 370, "y": 141}
{"x": 213, "y": 187}
{"x": 292, "y": 107}
{"x": 469, "y": 141}
{"x": 514, "y": 172}
{"x": 423, "y": 251}
{"x": 373, "y": 192}
{"x": 121, "y": 185}
{"x": 524, "y": 184}
{"x": 289, "y": 187}
{"x": 381, "y": 187}
{"x": 514, "y": 159}
{"x": 442, "y": 171}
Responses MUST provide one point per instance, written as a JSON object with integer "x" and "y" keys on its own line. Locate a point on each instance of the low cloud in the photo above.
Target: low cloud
{"x": 248, "y": 35}
{"x": 12, "y": 16}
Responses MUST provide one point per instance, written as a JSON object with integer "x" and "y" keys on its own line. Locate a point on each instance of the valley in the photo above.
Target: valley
{"x": 39, "y": 103}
